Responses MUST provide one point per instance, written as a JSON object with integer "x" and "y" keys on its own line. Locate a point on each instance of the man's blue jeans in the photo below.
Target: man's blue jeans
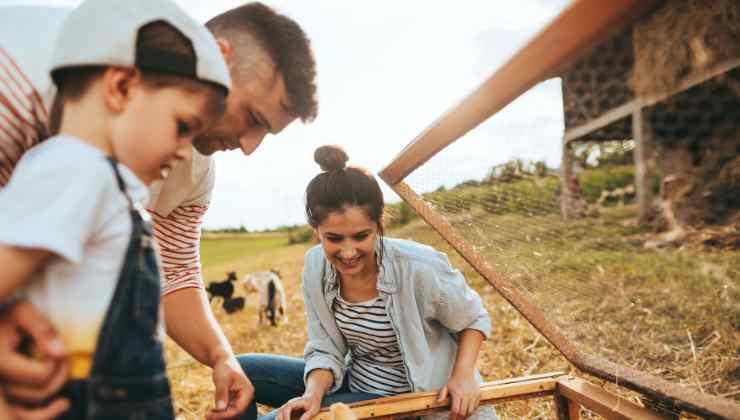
{"x": 277, "y": 379}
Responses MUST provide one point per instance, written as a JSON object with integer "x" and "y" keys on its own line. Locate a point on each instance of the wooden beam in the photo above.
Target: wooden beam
{"x": 627, "y": 109}
{"x": 601, "y": 401}
{"x": 417, "y": 403}
{"x": 609, "y": 117}
{"x": 691, "y": 81}
{"x": 581, "y": 26}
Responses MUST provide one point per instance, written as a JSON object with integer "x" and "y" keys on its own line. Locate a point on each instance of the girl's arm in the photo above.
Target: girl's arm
{"x": 462, "y": 386}
{"x": 468, "y": 342}
{"x": 19, "y": 264}
{"x": 318, "y": 384}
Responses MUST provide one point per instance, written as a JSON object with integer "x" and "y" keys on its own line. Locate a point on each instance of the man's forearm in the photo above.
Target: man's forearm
{"x": 191, "y": 324}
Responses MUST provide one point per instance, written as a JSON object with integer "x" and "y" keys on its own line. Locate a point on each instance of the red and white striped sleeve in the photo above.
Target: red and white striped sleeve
{"x": 178, "y": 235}
{"x": 23, "y": 117}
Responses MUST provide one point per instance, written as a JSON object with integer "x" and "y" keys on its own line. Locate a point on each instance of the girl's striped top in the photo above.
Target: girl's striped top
{"x": 377, "y": 364}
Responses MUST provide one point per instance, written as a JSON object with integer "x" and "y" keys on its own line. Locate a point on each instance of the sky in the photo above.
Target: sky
{"x": 387, "y": 70}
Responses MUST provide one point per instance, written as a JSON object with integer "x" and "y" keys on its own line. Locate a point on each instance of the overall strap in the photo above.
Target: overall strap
{"x": 121, "y": 185}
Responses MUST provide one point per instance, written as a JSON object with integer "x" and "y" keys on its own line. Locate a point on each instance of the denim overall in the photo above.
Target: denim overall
{"x": 127, "y": 379}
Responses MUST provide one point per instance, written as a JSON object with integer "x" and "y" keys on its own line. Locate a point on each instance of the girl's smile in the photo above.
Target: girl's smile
{"x": 348, "y": 239}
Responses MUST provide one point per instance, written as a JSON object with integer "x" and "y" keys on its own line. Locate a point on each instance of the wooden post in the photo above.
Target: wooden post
{"x": 572, "y": 205}
{"x": 643, "y": 166}
{"x": 610, "y": 406}
{"x": 563, "y": 407}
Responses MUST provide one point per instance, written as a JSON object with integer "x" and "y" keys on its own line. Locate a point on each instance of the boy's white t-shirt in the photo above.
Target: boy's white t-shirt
{"x": 63, "y": 197}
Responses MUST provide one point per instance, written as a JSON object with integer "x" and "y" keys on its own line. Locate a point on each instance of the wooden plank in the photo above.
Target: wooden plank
{"x": 601, "y": 401}
{"x": 574, "y": 410}
{"x": 581, "y": 26}
{"x": 691, "y": 81}
{"x": 625, "y": 110}
{"x": 609, "y": 117}
{"x": 561, "y": 406}
{"x": 425, "y": 402}
{"x": 514, "y": 380}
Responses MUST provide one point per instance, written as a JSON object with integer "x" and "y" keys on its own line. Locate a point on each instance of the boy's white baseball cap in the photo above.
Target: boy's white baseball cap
{"x": 104, "y": 32}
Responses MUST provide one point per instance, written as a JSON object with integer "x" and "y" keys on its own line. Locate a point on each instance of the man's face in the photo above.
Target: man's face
{"x": 255, "y": 107}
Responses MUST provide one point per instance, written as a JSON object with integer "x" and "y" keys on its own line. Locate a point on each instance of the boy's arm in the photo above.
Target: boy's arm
{"x": 19, "y": 263}
{"x": 188, "y": 317}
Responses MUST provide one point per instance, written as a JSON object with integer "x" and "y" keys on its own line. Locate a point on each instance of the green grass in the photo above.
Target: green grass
{"x": 219, "y": 249}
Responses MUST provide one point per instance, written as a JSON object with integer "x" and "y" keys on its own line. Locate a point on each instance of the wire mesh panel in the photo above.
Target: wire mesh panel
{"x": 609, "y": 285}
{"x": 598, "y": 83}
{"x": 653, "y": 303}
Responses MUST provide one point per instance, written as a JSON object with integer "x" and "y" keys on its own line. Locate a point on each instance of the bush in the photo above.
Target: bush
{"x": 594, "y": 181}
{"x": 399, "y": 214}
{"x": 300, "y": 235}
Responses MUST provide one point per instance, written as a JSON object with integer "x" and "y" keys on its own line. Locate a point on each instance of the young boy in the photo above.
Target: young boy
{"x": 137, "y": 79}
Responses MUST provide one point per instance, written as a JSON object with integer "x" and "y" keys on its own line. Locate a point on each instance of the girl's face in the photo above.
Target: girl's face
{"x": 348, "y": 239}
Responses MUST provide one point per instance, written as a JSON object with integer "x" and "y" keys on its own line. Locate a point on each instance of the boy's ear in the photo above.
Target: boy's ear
{"x": 226, "y": 50}
{"x": 118, "y": 83}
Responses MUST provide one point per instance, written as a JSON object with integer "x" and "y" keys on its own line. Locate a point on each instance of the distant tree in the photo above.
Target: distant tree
{"x": 539, "y": 168}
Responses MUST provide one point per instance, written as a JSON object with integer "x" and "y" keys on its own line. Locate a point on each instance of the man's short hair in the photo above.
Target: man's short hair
{"x": 284, "y": 42}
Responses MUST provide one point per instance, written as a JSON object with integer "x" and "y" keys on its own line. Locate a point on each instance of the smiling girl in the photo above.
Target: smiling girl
{"x": 385, "y": 316}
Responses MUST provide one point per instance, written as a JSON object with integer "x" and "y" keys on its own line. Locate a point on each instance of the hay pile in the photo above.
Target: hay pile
{"x": 682, "y": 38}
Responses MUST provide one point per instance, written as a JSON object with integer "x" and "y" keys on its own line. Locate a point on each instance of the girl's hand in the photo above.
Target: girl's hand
{"x": 309, "y": 405}
{"x": 465, "y": 396}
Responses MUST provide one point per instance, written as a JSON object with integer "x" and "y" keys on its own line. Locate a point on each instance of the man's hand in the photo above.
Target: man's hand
{"x": 29, "y": 380}
{"x": 234, "y": 391}
{"x": 47, "y": 412}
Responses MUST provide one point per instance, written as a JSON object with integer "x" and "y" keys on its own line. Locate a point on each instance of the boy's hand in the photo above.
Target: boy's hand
{"x": 234, "y": 391}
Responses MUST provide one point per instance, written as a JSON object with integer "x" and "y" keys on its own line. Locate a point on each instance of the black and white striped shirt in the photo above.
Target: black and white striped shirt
{"x": 377, "y": 364}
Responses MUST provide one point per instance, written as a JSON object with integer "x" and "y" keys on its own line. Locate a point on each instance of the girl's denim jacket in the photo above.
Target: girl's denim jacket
{"x": 428, "y": 303}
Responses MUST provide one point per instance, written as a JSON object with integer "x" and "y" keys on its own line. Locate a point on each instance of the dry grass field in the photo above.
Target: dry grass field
{"x": 515, "y": 349}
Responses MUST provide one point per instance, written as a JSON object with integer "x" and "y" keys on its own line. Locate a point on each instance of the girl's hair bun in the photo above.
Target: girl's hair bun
{"x": 330, "y": 158}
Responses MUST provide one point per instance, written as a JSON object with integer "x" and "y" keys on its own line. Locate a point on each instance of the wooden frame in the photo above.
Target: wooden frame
{"x": 658, "y": 389}
{"x": 569, "y": 394}
{"x": 584, "y": 24}
{"x": 626, "y": 110}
